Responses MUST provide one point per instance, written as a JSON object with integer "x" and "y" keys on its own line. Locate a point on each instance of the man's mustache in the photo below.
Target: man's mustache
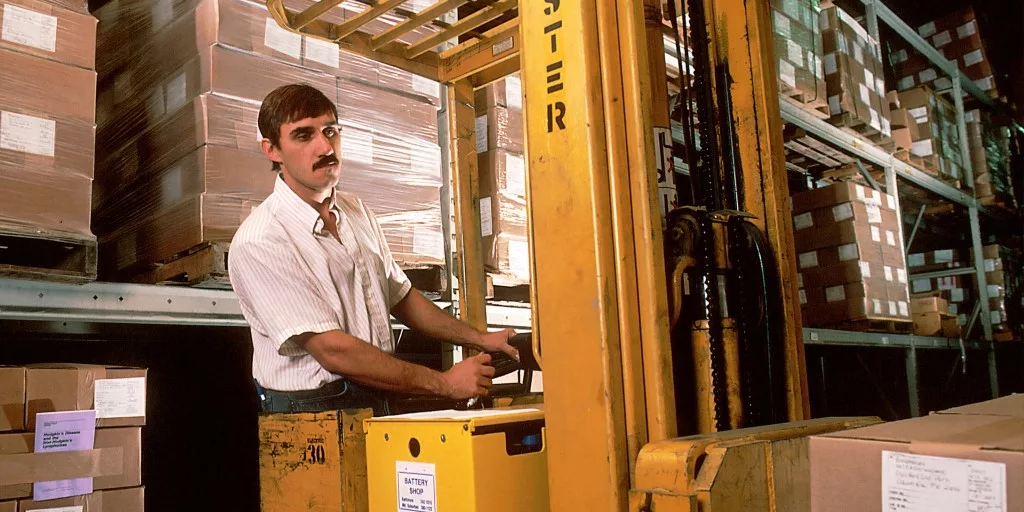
{"x": 325, "y": 161}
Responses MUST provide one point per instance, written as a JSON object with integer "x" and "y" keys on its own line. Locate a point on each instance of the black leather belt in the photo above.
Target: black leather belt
{"x": 330, "y": 389}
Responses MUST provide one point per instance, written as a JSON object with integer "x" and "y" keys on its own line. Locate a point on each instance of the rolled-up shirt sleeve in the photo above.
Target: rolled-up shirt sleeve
{"x": 398, "y": 282}
{"x": 276, "y": 298}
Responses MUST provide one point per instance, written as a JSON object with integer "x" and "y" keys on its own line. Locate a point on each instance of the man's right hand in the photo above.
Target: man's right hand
{"x": 470, "y": 378}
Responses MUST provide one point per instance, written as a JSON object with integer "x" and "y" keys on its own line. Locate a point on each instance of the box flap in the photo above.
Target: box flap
{"x": 977, "y": 431}
{"x": 1010, "y": 406}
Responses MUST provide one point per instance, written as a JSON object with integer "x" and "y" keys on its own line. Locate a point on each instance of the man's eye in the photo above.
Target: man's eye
{"x": 330, "y": 132}
{"x": 303, "y": 137}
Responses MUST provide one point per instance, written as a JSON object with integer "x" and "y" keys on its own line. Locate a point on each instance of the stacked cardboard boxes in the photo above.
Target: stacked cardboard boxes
{"x": 499, "y": 141}
{"x": 178, "y": 149}
{"x": 854, "y": 77}
{"x": 931, "y": 317}
{"x": 47, "y": 118}
{"x": 961, "y": 291}
{"x": 937, "y": 146}
{"x": 798, "y": 48}
{"x": 850, "y": 256}
{"x": 107, "y": 476}
{"x": 989, "y": 147}
{"x": 904, "y": 126}
{"x": 958, "y": 38}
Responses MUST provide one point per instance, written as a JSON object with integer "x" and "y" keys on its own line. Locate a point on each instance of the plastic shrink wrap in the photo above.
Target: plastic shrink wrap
{"x": 178, "y": 156}
{"x": 47, "y": 130}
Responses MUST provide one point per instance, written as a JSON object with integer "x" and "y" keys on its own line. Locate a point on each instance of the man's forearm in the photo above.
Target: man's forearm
{"x": 365, "y": 364}
{"x": 424, "y": 316}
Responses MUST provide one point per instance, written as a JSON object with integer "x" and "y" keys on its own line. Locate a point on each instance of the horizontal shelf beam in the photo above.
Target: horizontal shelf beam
{"x": 814, "y": 336}
{"x": 949, "y": 272}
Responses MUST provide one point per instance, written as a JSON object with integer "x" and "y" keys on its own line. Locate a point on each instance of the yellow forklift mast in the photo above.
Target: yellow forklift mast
{"x": 616, "y": 306}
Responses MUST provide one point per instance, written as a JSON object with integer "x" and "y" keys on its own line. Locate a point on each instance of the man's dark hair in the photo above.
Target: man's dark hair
{"x": 290, "y": 103}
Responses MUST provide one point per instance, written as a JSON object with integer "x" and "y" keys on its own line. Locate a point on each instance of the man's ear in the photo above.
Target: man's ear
{"x": 270, "y": 151}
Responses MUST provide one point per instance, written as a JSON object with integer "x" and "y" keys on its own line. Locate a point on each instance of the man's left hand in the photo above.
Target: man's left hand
{"x": 497, "y": 341}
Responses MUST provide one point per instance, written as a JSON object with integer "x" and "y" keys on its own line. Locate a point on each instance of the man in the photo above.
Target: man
{"x": 316, "y": 281}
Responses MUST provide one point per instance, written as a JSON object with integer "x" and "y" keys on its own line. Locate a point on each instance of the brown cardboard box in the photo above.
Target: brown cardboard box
{"x": 210, "y": 119}
{"x": 869, "y": 468}
{"x": 502, "y": 171}
{"x": 39, "y": 81}
{"x": 204, "y": 196}
{"x": 54, "y": 387}
{"x": 372, "y": 108}
{"x": 843, "y": 192}
{"x": 46, "y": 203}
{"x": 798, "y": 48}
{"x": 505, "y": 93}
{"x": 115, "y": 462}
{"x": 125, "y": 500}
{"x": 850, "y": 271}
{"x": 288, "y": 474}
{"x": 48, "y": 145}
{"x": 9, "y": 506}
{"x": 855, "y": 301}
{"x": 239, "y": 24}
{"x": 123, "y": 114}
{"x": 835, "y": 255}
{"x": 924, "y": 304}
{"x": 45, "y": 30}
{"x": 87, "y": 503}
{"x": 509, "y": 255}
{"x": 12, "y": 398}
{"x": 129, "y": 441}
{"x": 415, "y": 237}
{"x": 853, "y": 73}
{"x": 839, "y": 233}
{"x": 504, "y": 130}
{"x": 855, "y": 211}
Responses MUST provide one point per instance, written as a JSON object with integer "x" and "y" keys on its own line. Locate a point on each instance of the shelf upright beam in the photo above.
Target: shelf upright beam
{"x": 913, "y": 232}
{"x": 872, "y": 17}
{"x": 912, "y": 382}
{"x": 961, "y": 125}
{"x": 891, "y": 188}
{"x": 979, "y": 272}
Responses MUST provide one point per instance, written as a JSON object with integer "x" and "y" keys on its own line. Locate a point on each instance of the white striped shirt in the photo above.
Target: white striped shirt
{"x": 293, "y": 277}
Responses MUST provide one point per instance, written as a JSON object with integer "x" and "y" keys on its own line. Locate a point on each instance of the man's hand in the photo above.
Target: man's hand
{"x": 470, "y": 378}
{"x": 498, "y": 342}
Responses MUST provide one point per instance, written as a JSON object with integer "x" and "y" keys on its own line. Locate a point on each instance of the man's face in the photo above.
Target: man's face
{"x": 309, "y": 152}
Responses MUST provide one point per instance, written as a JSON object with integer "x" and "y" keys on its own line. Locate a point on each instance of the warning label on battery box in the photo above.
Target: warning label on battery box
{"x": 416, "y": 489}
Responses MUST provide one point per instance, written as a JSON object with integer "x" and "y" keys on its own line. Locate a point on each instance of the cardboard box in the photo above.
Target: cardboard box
{"x": 29, "y": 205}
{"x": 936, "y": 323}
{"x": 504, "y": 130}
{"x": 850, "y": 271}
{"x": 856, "y": 211}
{"x": 925, "y": 304}
{"x": 129, "y": 441}
{"x": 204, "y": 196}
{"x": 505, "y": 93}
{"x": 953, "y": 455}
{"x": 87, "y": 503}
{"x": 115, "y": 462}
{"x": 415, "y": 237}
{"x": 125, "y": 500}
{"x": 12, "y": 398}
{"x": 123, "y": 112}
{"x": 502, "y": 171}
{"x": 45, "y": 30}
{"x": 843, "y": 192}
{"x": 853, "y": 73}
{"x": 9, "y": 506}
{"x": 315, "y": 459}
{"x": 210, "y": 119}
{"x": 364, "y": 107}
{"x": 54, "y": 387}
{"x": 840, "y": 233}
{"x": 798, "y": 48}
{"x": 509, "y": 255}
{"x": 39, "y": 81}
{"x": 44, "y": 145}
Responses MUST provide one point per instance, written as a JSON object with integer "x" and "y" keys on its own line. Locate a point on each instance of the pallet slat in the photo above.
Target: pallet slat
{"x": 60, "y": 258}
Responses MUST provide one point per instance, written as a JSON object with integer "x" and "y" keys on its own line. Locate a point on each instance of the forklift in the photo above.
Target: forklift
{"x": 669, "y": 336}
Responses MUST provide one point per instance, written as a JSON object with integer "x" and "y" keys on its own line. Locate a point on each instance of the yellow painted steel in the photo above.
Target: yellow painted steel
{"x": 743, "y": 38}
{"x": 466, "y": 183}
{"x": 762, "y": 468}
{"x": 461, "y": 456}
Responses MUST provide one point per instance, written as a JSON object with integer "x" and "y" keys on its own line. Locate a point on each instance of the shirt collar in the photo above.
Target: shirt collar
{"x": 298, "y": 210}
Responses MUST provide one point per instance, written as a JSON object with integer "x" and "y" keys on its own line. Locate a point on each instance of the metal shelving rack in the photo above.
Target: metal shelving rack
{"x": 156, "y": 305}
{"x": 899, "y": 173}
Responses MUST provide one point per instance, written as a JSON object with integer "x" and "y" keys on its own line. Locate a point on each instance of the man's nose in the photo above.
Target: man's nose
{"x": 324, "y": 146}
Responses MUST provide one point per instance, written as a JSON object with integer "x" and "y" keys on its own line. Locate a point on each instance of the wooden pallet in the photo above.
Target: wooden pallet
{"x": 855, "y": 125}
{"x": 876, "y": 325}
{"x": 507, "y": 288}
{"x": 46, "y": 257}
{"x": 203, "y": 266}
{"x": 818, "y": 107}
